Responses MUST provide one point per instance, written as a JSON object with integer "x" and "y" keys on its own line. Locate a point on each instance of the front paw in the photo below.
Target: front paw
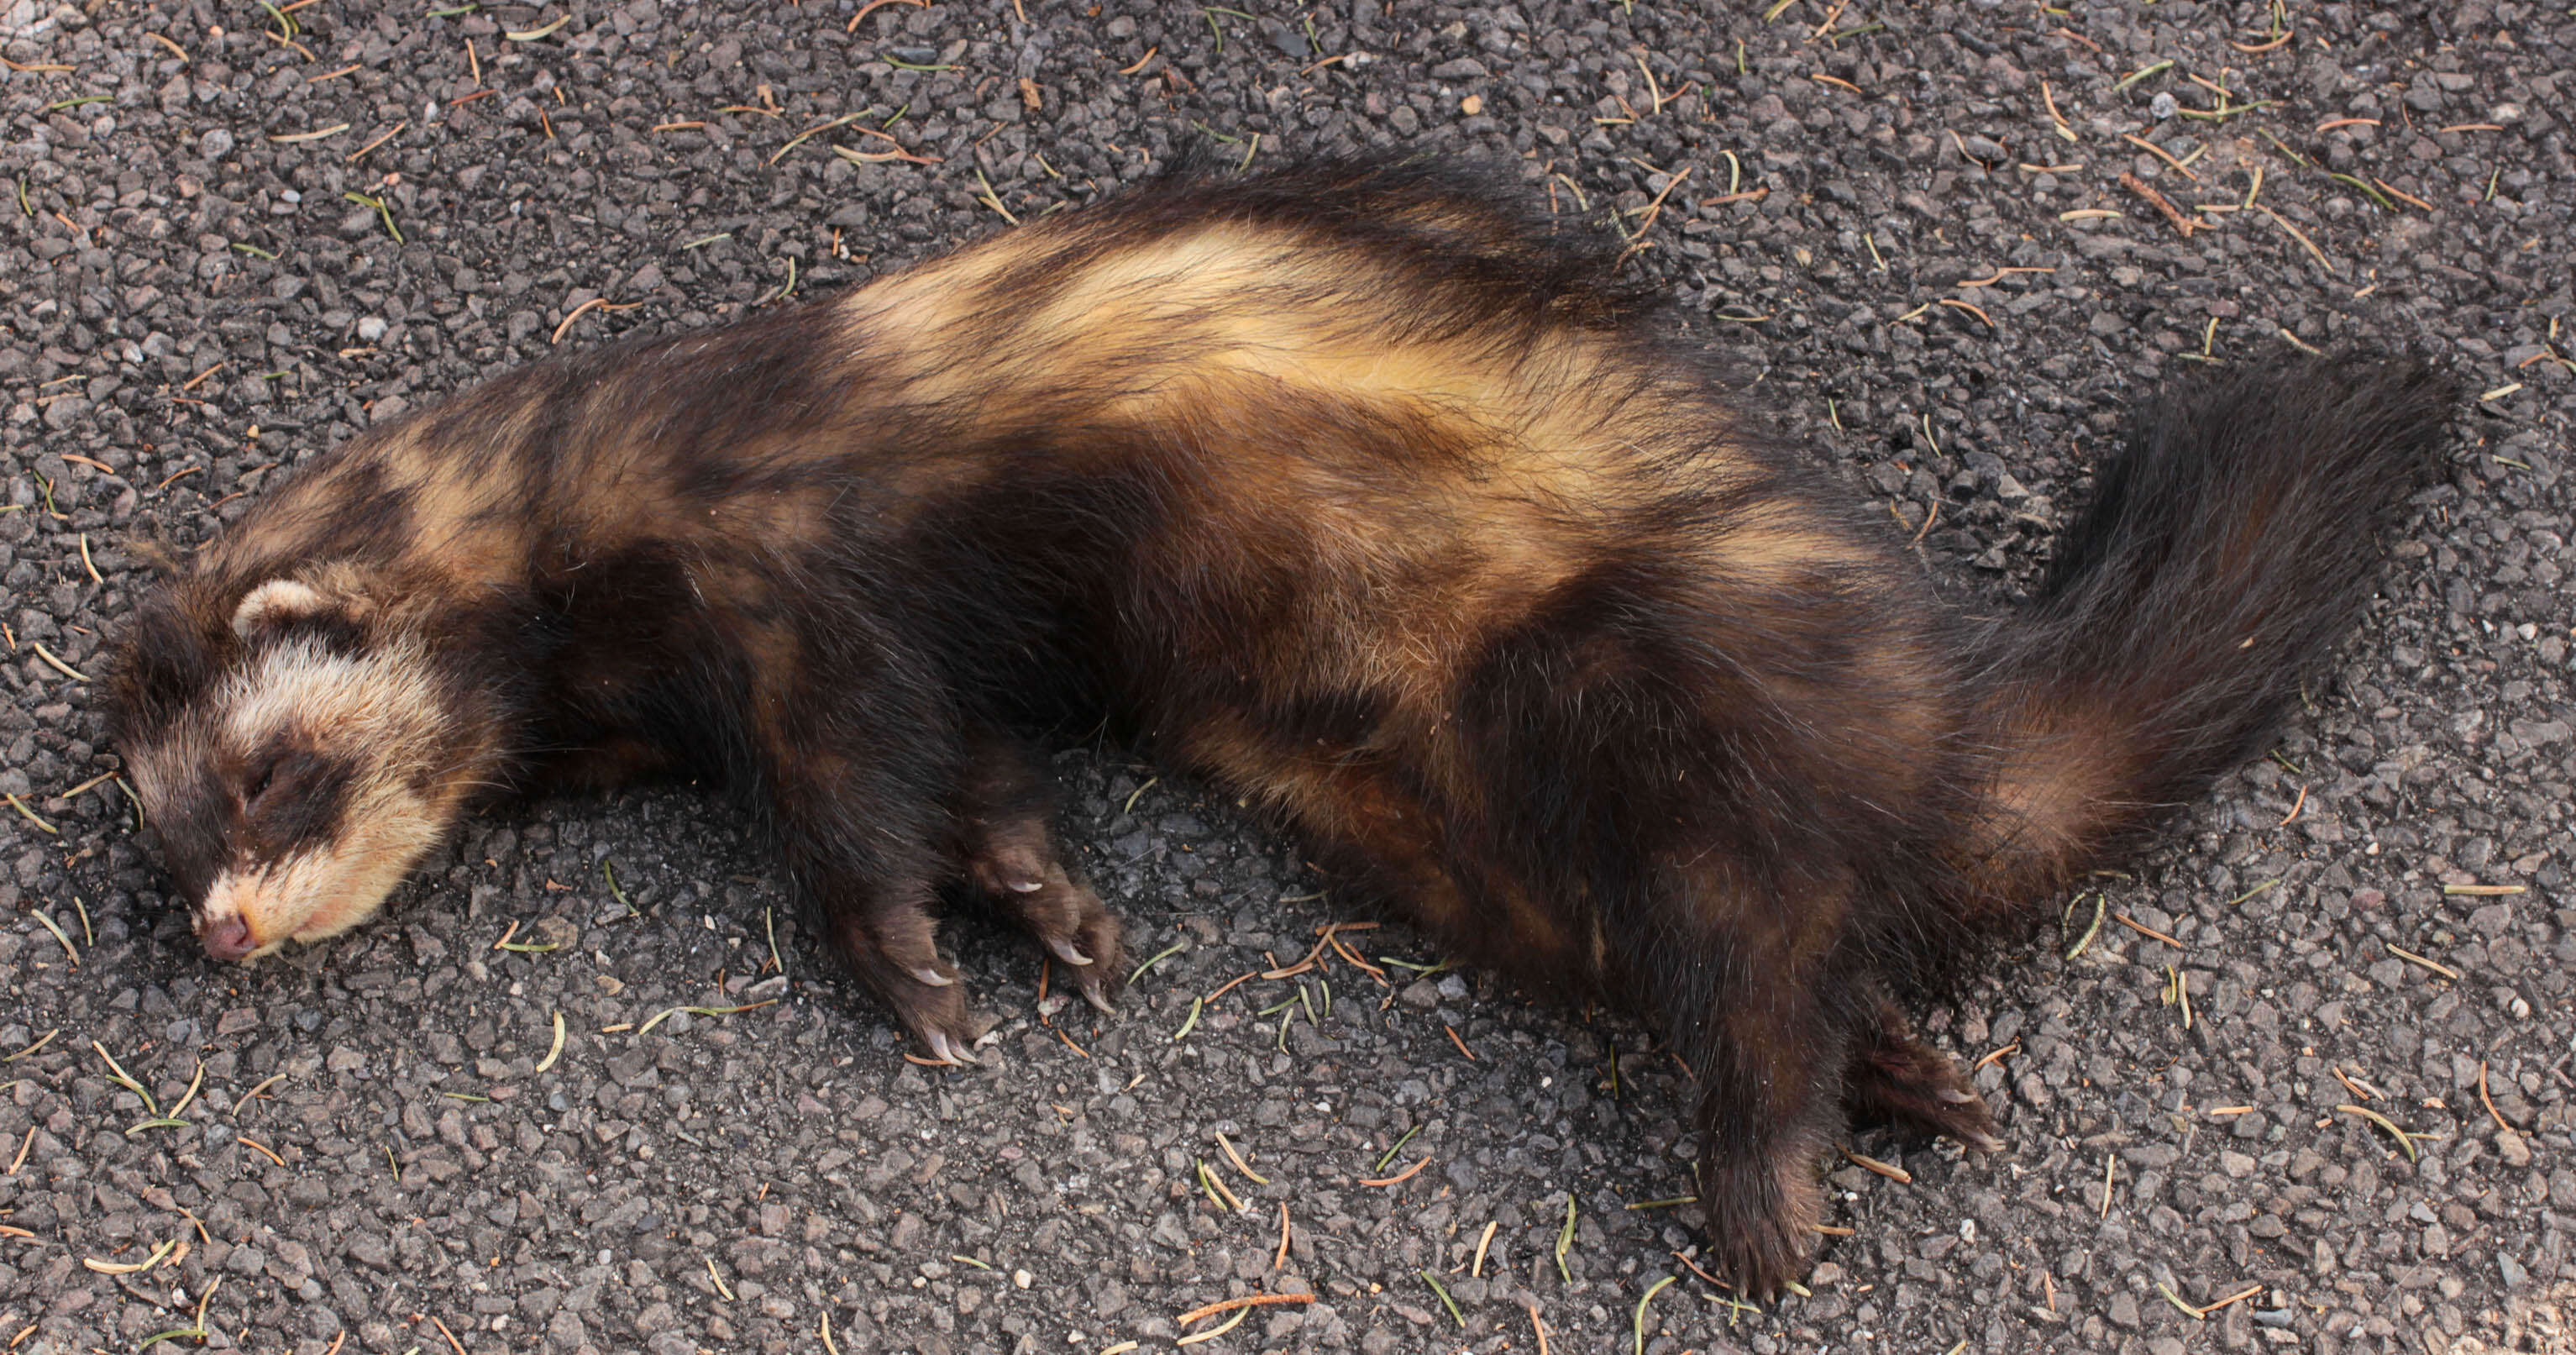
{"x": 897, "y": 960}
{"x": 1061, "y": 913}
{"x": 939, "y": 1017}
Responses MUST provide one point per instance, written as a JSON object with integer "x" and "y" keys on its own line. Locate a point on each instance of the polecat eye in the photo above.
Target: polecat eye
{"x": 264, "y": 776}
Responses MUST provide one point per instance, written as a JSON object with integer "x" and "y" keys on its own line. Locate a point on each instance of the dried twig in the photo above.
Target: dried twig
{"x": 874, "y": 5}
{"x": 1246, "y": 1301}
{"x": 2404, "y": 1139}
{"x": 2488, "y": 1102}
{"x": 2143, "y": 929}
{"x": 1888, "y": 1170}
{"x": 1400, "y": 1177}
{"x": 595, "y": 303}
{"x": 2302, "y": 238}
{"x": 2142, "y": 188}
{"x": 2411, "y": 957}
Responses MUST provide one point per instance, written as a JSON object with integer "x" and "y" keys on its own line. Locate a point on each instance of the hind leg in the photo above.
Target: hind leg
{"x": 1747, "y": 975}
{"x": 1008, "y": 853}
{"x": 1768, "y": 1059}
{"x": 1895, "y": 1077}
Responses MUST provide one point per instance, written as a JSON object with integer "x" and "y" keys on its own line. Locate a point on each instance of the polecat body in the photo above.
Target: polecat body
{"x": 1355, "y": 488}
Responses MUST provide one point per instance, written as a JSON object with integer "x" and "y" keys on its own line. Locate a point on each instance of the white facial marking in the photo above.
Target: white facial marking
{"x": 379, "y": 709}
{"x": 377, "y": 699}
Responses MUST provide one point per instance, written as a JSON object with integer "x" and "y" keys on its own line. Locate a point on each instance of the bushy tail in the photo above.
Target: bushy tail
{"x": 2229, "y": 546}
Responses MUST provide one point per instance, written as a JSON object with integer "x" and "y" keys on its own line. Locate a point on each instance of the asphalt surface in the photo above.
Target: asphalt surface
{"x": 229, "y": 238}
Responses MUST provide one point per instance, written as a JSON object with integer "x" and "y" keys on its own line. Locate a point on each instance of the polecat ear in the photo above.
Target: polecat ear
{"x": 292, "y": 606}
{"x": 274, "y": 605}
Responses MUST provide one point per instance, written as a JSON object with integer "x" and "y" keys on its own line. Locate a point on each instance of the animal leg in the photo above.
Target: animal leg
{"x": 891, "y": 947}
{"x": 858, "y": 767}
{"x": 1896, "y": 1077}
{"x": 1766, "y": 1115}
{"x": 1009, "y": 853}
{"x": 1754, "y": 998}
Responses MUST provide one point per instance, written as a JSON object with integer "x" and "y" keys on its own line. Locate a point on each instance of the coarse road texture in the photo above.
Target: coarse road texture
{"x": 2305, "y": 1086}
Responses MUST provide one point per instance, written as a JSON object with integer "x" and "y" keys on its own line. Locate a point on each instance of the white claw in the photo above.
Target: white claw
{"x": 1092, "y": 996}
{"x": 1064, "y": 950}
{"x": 1027, "y": 886}
{"x": 927, "y": 975}
{"x": 939, "y": 1047}
{"x": 1957, "y": 1097}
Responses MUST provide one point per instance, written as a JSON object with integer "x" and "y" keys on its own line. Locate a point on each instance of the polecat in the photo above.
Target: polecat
{"x": 1360, "y": 489}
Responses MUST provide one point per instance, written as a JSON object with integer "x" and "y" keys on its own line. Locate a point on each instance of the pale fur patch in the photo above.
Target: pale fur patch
{"x": 249, "y": 895}
{"x": 381, "y": 709}
{"x": 374, "y": 704}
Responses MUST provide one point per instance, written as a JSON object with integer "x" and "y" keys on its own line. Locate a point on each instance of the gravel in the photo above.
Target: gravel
{"x": 374, "y": 1145}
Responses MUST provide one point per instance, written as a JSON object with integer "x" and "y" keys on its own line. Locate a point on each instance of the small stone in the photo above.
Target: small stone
{"x": 1289, "y": 41}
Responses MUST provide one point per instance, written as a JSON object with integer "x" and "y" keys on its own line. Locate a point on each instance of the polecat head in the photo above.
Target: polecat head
{"x": 297, "y": 745}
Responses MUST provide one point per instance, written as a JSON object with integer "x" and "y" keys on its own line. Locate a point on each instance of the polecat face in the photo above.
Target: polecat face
{"x": 304, "y": 772}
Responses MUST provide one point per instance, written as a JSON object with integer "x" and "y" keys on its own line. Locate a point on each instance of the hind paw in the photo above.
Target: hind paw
{"x": 1899, "y": 1079}
{"x": 1762, "y": 1218}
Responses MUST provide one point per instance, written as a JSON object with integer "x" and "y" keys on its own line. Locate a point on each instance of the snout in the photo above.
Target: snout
{"x": 227, "y": 938}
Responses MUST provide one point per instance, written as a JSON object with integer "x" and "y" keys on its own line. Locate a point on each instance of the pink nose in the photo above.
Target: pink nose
{"x": 228, "y": 939}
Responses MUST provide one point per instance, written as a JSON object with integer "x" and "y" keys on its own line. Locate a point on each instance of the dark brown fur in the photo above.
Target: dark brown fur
{"x": 1360, "y": 490}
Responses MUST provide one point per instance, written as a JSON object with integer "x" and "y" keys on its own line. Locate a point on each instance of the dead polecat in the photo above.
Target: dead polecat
{"x": 1358, "y": 489}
